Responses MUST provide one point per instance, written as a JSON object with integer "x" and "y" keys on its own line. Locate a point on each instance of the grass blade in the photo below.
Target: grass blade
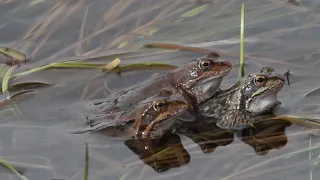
{"x": 6, "y": 78}
{"x": 87, "y": 162}
{"x": 13, "y": 54}
{"x": 146, "y": 65}
{"x": 241, "y": 71}
{"x": 176, "y": 47}
{"x": 11, "y": 168}
{"x": 195, "y": 11}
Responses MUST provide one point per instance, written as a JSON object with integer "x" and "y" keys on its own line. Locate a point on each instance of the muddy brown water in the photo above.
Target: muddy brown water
{"x": 280, "y": 35}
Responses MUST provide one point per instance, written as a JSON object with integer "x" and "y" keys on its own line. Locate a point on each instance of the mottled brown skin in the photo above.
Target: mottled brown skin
{"x": 239, "y": 106}
{"x": 150, "y": 118}
{"x": 199, "y": 79}
{"x": 196, "y": 81}
{"x": 201, "y": 83}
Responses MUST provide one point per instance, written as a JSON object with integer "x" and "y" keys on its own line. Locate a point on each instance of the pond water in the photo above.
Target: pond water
{"x": 278, "y": 34}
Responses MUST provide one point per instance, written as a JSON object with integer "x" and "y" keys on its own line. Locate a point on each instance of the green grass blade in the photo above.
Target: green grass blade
{"x": 33, "y": 70}
{"x": 241, "y": 71}
{"x": 146, "y": 65}
{"x": 6, "y": 78}
{"x": 195, "y": 11}
{"x": 123, "y": 177}
{"x": 77, "y": 65}
{"x": 86, "y": 162}
{"x": 16, "y": 55}
{"x": 2, "y": 71}
{"x": 60, "y": 65}
{"x": 11, "y": 168}
{"x": 73, "y": 64}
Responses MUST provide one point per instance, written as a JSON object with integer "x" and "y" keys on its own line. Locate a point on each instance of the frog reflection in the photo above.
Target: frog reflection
{"x": 265, "y": 136}
{"x": 168, "y": 152}
{"x": 160, "y": 154}
{"x": 207, "y": 137}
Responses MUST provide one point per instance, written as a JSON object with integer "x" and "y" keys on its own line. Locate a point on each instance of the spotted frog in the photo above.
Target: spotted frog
{"x": 242, "y": 104}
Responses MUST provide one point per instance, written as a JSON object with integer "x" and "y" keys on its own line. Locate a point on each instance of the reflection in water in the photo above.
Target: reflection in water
{"x": 265, "y": 136}
{"x": 161, "y": 154}
{"x": 207, "y": 137}
{"x": 168, "y": 152}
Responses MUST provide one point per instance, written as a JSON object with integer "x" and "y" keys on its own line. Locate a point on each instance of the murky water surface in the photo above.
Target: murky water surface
{"x": 278, "y": 34}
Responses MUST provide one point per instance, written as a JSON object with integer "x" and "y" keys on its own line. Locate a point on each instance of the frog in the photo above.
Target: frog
{"x": 196, "y": 81}
{"x": 202, "y": 77}
{"x": 150, "y": 118}
{"x": 246, "y": 102}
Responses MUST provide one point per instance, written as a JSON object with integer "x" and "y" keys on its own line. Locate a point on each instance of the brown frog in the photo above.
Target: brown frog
{"x": 240, "y": 105}
{"x": 150, "y": 118}
{"x": 196, "y": 81}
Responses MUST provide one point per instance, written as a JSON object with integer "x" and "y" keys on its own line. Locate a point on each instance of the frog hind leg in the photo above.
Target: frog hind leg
{"x": 237, "y": 119}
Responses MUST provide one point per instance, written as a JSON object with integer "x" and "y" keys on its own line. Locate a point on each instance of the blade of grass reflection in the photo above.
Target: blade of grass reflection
{"x": 195, "y": 11}
{"x": 272, "y": 34}
{"x": 143, "y": 29}
{"x": 33, "y": 29}
{"x": 92, "y": 51}
{"x": 203, "y": 50}
{"x": 41, "y": 43}
{"x": 16, "y": 109}
{"x": 51, "y": 17}
{"x": 57, "y": 23}
{"x": 124, "y": 26}
{"x": 95, "y": 92}
{"x": 222, "y": 8}
{"x": 114, "y": 24}
{"x": 222, "y": 42}
{"x": 296, "y": 166}
{"x": 113, "y": 12}
{"x": 269, "y": 161}
{"x": 227, "y": 27}
{"x": 121, "y": 41}
{"x": 163, "y": 15}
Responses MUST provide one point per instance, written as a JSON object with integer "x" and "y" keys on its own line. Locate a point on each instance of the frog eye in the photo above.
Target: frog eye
{"x": 204, "y": 64}
{"x": 159, "y": 105}
{"x": 260, "y": 80}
